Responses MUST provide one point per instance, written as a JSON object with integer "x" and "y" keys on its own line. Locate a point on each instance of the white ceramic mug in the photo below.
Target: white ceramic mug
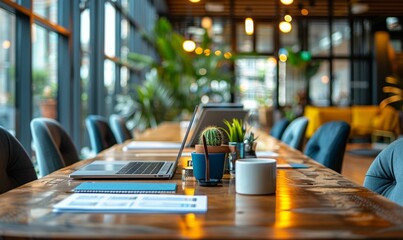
{"x": 255, "y": 176}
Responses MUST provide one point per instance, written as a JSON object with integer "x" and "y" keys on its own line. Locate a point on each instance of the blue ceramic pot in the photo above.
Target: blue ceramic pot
{"x": 216, "y": 161}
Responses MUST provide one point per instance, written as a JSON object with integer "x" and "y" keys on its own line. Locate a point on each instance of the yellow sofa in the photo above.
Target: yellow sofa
{"x": 362, "y": 119}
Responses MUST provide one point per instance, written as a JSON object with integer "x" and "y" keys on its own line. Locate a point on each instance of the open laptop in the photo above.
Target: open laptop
{"x": 142, "y": 169}
{"x": 214, "y": 114}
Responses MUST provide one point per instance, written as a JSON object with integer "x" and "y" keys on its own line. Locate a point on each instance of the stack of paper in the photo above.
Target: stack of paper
{"x": 131, "y": 203}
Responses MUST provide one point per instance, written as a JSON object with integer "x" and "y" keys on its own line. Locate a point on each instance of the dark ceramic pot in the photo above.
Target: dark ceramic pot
{"x": 216, "y": 165}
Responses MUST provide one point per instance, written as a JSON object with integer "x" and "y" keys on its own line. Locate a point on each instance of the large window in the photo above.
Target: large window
{"x": 44, "y": 73}
{"x": 7, "y": 70}
{"x": 46, "y": 9}
{"x": 318, "y": 38}
{"x": 32, "y": 36}
{"x": 319, "y": 85}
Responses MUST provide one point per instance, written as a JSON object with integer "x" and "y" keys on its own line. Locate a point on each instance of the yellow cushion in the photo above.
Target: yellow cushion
{"x": 320, "y": 115}
{"x": 362, "y": 118}
{"x": 387, "y": 120}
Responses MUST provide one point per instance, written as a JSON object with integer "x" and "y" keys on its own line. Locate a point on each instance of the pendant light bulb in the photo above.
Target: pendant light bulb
{"x": 189, "y": 45}
{"x": 285, "y": 27}
{"x": 249, "y": 26}
{"x": 287, "y": 2}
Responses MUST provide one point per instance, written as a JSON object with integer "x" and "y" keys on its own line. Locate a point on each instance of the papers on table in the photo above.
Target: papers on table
{"x": 146, "y": 145}
{"x": 266, "y": 154}
{"x": 132, "y": 203}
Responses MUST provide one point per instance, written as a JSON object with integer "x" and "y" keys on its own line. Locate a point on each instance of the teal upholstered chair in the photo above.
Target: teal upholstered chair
{"x": 294, "y": 134}
{"x": 16, "y": 167}
{"x": 53, "y": 145}
{"x": 328, "y": 144}
{"x": 119, "y": 128}
{"x": 278, "y": 128}
{"x": 385, "y": 175}
{"x": 100, "y": 133}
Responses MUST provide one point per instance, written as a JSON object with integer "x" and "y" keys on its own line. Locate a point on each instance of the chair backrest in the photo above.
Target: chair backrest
{"x": 385, "y": 174}
{"x": 119, "y": 128}
{"x": 278, "y": 128}
{"x": 328, "y": 144}
{"x": 294, "y": 134}
{"x": 54, "y": 147}
{"x": 100, "y": 133}
{"x": 16, "y": 167}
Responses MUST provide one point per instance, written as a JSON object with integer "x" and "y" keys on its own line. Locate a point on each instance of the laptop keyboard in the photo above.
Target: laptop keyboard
{"x": 141, "y": 168}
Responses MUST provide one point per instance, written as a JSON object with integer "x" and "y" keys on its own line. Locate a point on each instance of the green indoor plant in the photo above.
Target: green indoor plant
{"x": 236, "y": 131}
{"x": 250, "y": 143}
{"x": 187, "y": 77}
{"x": 150, "y": 105}
{"x": 236, "y": 136}
{"x": 213, "y": 138}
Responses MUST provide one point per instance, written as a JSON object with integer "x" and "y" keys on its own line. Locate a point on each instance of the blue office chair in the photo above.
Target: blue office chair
{"x": 54, "y": 147}
{"x": 278, "y": 128}
{"x": 100, "y": 133}
{"x": 294, "y": 134}
{"x": 385, "y": 175}
{"x": 328, "y": 144}
{"x": 16, "y": 167}
{"x": 119, "y": 128}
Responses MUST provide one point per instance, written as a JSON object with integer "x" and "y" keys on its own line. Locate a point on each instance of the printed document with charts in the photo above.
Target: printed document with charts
{"x": 131, "y": 203}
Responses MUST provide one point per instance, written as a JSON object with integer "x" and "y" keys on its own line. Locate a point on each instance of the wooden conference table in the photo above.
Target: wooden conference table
{"x": 309, "y": 203}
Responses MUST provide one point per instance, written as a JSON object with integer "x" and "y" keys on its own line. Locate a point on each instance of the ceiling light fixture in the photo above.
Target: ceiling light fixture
{"x": 189, "y": 45}
{"x": 287, "y": 2}
{"x": 249, "y": 28}
{"x": 304, "y": 11}
{"x": 285, "y": 27}
{"x": 288, "y": 18}
{"x": 194, "y": 1}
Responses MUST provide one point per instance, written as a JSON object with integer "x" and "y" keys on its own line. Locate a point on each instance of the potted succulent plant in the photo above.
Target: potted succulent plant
{"x": 236, "y": 135}
{"x": 250, "y": 144}
{"x": 209, "y": 157}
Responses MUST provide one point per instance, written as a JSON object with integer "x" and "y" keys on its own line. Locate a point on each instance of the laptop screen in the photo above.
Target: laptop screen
{"x": 214, "y": 114}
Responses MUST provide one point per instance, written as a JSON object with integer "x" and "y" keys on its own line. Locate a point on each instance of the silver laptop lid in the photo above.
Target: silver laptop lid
{"x": 183, "y": 144}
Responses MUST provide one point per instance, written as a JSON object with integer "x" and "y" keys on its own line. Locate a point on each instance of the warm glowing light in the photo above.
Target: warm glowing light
{"x": 189, "y": 45}
{"x": 325, "y": 79}
{"x": 206, "y": 22}
{"x": 282, "y": 58}
{"x": 217, "y": 52}
{"x": 6, "y": 44}
{"x": 287, "y": 2}
{"x": 199, "y": 50}
{"x": 227, "y": 55}
{"x": 194, "y": 1}
{"x": 288, "y": 18}
{"x": 207, "y": 52}
{"x": 249, "y": 26}
{"x": 202, "y": 71}
{"x": 304, "y": 11}
{"x": 285, "y": 27}
{"x": 272, "y": 61}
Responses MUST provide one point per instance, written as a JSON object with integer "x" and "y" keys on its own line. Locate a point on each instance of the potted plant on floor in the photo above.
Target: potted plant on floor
{"x": 209, "y": 157}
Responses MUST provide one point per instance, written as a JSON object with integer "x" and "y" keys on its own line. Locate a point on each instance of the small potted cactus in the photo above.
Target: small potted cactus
{"x": 215, "y": 159}
{"x": 214, "y": 140}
